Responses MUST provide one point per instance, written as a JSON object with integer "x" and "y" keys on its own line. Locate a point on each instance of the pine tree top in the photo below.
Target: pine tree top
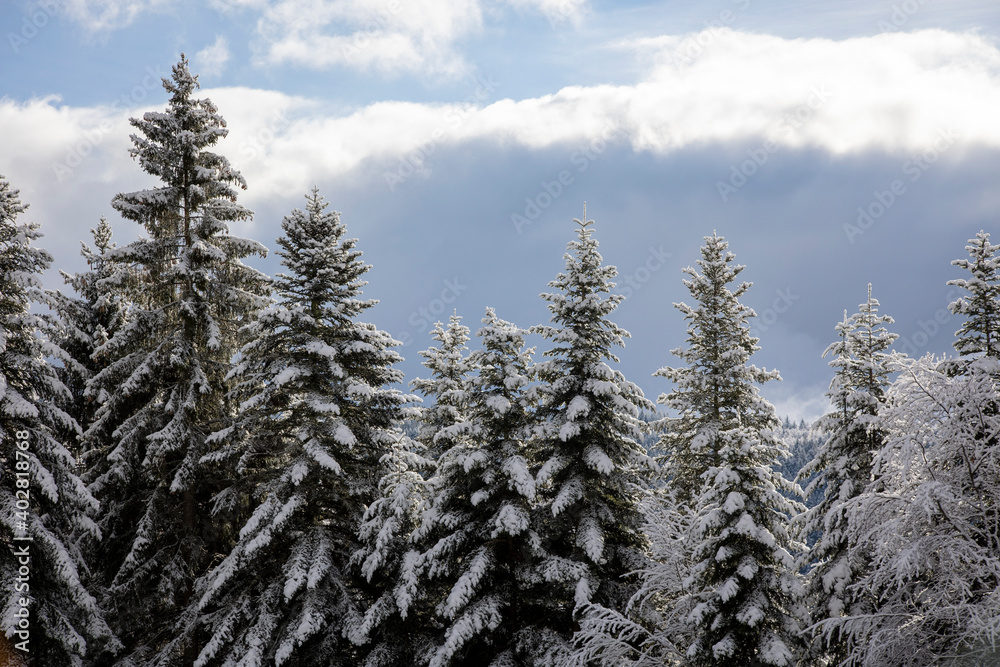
{"x": 980, "y": 333}
{"x": 582, "y": 333}
{"x": 325, "y": 267}
{"x": 21, "y": 264}
{"x": 172, "y": 147}
{"x": 719, "y": 340}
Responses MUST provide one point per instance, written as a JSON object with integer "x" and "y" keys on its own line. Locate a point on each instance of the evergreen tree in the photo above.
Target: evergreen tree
{"x": 980, "y": 333}
{"x": 85, "y": 322}
{"x": 397, "y": 627}
{"x": 478, "y": 547}
{"x": 165, "y": 380}
{"x": 842, "y": 469}
{"x": 314, "y": 423}
{"x": 45, "y": 509}
{"x": 722, "y": 449}
{"x": 593, "y": 469}
{"x": 445, "y": 387}
{"x": 928, "y": 521}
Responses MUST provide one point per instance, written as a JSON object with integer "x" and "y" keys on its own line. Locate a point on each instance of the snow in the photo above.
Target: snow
{"x": 598, "y": 460}
{"x": 497, "y": 404}
{"x": 729, "y": 588}
{"x": 510, "y": 520}
{"x": 577, "y": 407}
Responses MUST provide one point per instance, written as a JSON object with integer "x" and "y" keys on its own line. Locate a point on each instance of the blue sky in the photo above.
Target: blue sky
{"x": 833, "y": 143}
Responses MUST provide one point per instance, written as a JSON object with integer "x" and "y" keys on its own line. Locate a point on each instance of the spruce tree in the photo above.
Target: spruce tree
{"x": 478, "y": 546}
{"x": 397, "y": 628}
{"x": 165, "y": 381}
{"x": 593, "y": 468}
{"x": 842, "y": 469}
{"x": 721, "y": 451}
{"x": 85, "y": 322}
{"x": 980, "y": 333}
{"x": 315, "y": 420}
{"x": 449, "y": 368}
{"x": 46, "y": 510}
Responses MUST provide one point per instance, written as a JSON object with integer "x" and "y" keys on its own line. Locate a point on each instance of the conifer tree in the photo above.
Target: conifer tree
{"x": 315, "y": 420}
{"x": 85, "y": 322}
{"x": 449, "y": 368}
{"x": 928, "y": 522}
{"x": 165, "y": 382}
{"x": 477, "y": 543}
{"x": 980, "y": 333}
{"x": 44, "y": 507}
{"x": 593, "y": 467}
{"x": 842, "y": 468}
{"x": 396, "y": 628}
{"x": 722, "y": 449}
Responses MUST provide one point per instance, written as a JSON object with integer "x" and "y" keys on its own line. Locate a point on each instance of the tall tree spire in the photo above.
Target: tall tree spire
{"x": 721, "y": 452}
{"x": 588, "y": 442}
{"x": 166, "y": 383}
{"x": 315, "y": 419}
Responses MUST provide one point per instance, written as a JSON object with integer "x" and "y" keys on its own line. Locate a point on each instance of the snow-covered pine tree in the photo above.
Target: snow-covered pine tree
{"x": 722, "y": 449}
{"x": 165, "y": 382}
{"x": 395, "y": 637}
{"x": 44, "y": 506}
{"x": 842, "y": 468}
{"x": 315, "y": 420}
{"x": 980, "y": 333}
{"x": 477, "y": 547}
{"x": 449, "y": 368}
{"x": 85, "y": 322}
{"x": 593, "y": 469}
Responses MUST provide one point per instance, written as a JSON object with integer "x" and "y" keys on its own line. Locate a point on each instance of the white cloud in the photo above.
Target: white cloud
{"x": 888, "y": 93}
{"x": 211, "y": 61}
{"x": 388, "y": 37}
{"x": 104, "y": 15}
{"x": 891, "y": 93}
